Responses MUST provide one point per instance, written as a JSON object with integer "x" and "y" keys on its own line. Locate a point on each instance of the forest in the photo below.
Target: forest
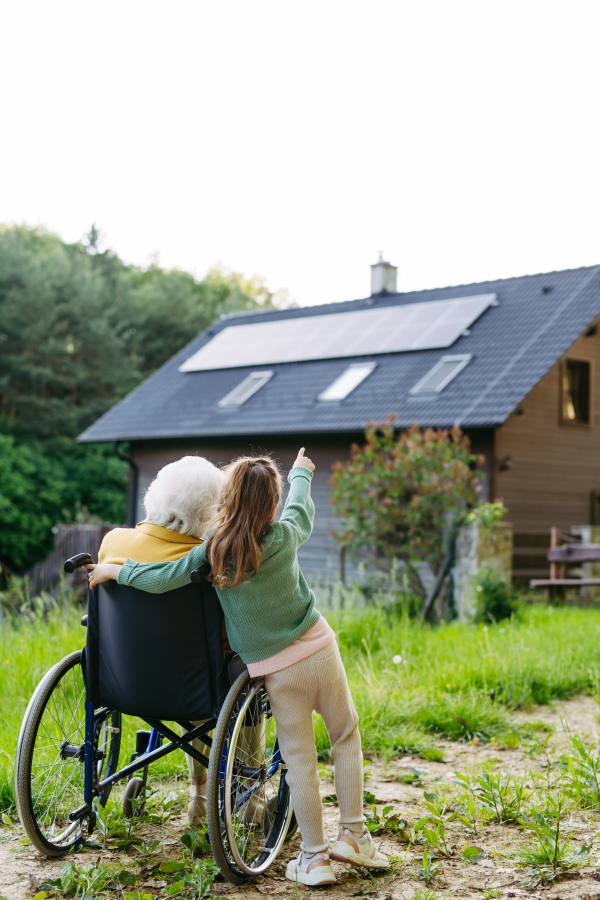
{"x": 79, "y": 328}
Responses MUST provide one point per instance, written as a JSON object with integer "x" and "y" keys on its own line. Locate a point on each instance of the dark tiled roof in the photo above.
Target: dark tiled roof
{"x": 513, "y": 345}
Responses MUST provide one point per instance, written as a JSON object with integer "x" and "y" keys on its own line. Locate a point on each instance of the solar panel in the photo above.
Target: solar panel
{"x": 392, "y": 329}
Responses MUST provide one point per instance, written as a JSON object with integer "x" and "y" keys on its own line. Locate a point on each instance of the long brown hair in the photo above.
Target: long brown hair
{"x": 250, "y": 496}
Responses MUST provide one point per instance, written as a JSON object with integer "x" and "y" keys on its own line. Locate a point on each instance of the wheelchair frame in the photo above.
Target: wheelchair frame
{"x": 154, "y": 751}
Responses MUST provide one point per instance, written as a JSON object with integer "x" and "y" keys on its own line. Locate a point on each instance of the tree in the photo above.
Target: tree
{"x": 61, "y": 363}
{"x": 78, "y": 330}
{"x": 30, "y": 494}
{"x": 399, "y": 494}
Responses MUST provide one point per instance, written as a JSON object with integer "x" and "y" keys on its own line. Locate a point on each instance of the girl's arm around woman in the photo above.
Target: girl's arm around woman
{"x": 153, "y": 577}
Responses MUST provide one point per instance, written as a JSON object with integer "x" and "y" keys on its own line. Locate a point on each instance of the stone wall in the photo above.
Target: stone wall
{"x": 476, "y": 548}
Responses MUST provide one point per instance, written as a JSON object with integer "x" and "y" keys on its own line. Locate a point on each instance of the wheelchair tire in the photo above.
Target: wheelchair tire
{"x": 244, "y": 778}
{"x": 49, "y": 767}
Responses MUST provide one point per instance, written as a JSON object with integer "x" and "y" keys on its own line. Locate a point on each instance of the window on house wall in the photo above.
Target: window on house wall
{"x": 595, "y": 508}
{"x": 576, "y": 391}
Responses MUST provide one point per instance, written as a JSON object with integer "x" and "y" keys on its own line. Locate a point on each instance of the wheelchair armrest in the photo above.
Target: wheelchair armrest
{"x": 75, "y": 562}
{"x": 235, "y": 668}
{"x": 200, "y": 573}
{"x": 84, "y": 621}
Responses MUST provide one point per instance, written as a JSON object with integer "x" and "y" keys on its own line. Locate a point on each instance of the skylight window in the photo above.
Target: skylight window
{"x": 245, "y": 389}
{"x": 347, "y": 382}
{"x": 442, "y": 374}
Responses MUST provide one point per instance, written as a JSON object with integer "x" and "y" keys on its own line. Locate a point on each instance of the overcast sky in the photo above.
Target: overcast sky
{"x": 296, "y": 140}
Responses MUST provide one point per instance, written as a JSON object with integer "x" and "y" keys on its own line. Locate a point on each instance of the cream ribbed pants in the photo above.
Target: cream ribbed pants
{"x": 318, "y": 683}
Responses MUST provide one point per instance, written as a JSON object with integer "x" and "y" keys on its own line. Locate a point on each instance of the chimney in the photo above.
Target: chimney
{"x": 383, "y": 277}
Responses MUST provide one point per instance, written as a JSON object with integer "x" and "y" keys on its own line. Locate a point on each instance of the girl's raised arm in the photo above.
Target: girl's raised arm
{"x": 299, "y": 510}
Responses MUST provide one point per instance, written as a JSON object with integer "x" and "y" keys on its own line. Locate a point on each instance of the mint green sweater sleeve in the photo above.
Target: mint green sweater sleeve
{"x": 160, "y": 577}
{"x": 299, "y": 510}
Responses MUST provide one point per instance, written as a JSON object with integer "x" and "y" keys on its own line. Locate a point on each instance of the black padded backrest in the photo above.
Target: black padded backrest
{"x": 156, "y": 655}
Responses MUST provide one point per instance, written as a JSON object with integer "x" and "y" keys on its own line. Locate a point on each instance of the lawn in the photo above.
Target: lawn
{"x": 464, "y": 793}
{"x": 411, "y": 683}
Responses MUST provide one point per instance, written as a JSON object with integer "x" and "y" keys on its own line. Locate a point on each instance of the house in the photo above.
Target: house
{"x": 514, "y": 362}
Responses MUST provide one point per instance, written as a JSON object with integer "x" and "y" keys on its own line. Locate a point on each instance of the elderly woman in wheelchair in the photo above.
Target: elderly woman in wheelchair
{"x": 157, "y": 657}
{"x": 178, "y": 504}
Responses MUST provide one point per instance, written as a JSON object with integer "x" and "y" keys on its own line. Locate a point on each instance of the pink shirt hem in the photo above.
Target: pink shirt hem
{"x": 315, "y": 639}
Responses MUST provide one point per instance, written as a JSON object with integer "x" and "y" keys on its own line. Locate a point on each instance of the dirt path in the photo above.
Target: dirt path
{"x": 22, "y": 870}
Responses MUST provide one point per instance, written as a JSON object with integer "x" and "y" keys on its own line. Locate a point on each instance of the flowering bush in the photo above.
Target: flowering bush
{"x": 487, "y": 514}
{"x": 400, "y": 493}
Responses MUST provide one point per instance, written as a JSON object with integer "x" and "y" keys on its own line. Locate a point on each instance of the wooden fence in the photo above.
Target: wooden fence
{"x": 69, "y": 540}
{"x": 530, "y": 557}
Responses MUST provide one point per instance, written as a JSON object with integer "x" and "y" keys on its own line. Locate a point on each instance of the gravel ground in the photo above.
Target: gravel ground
{"x": 22, "y": 870}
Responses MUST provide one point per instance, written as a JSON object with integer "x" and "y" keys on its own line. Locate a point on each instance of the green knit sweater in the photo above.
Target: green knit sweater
{"x": 273, "y": 608}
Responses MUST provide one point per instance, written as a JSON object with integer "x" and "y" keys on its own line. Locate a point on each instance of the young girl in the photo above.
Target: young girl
{"x": 273, "y": 624}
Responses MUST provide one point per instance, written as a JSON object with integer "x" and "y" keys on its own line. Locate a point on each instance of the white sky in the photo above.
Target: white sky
{"x": 297, "y": 140}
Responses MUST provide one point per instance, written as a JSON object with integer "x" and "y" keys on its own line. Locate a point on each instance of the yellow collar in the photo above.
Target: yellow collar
{"x": 166, "y": 534}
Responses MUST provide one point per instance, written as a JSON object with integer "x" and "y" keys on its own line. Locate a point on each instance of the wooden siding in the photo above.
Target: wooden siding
{"x": 555, "y": 465}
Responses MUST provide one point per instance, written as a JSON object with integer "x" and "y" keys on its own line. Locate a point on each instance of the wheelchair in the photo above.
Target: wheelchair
{"x": 159, "y": 658}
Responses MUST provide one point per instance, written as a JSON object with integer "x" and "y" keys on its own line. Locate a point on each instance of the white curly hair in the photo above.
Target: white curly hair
{"x": 184, "y": 495}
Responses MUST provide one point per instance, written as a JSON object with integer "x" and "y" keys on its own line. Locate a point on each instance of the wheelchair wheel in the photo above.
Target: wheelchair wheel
{"x": 49, "y": 766}
{"x": 249, "y": 809}
{"x": 132, "y": 791}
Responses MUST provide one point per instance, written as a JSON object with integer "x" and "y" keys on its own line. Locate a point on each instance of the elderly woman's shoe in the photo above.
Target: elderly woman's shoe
{"x": 197, "y": 805}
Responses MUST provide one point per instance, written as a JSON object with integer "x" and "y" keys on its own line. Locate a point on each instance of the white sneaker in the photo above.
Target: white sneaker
{"x": 311, "y": 871}
{"x": 358, "y": 851}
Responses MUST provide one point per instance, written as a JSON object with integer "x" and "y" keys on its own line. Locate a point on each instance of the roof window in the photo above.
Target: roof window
{"x": 245, "y": 389}
{"x": 442, "y": 374}
{"x": 347, "y": 381}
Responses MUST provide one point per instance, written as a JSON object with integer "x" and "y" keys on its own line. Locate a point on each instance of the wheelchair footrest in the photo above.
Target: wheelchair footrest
{"x": 80, "y": 812}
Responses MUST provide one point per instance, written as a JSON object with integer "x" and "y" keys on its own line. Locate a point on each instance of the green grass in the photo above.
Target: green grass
{"x": 459, "y": 681}
{"x": 542, "y": 654}
{"x": 455, "y": 681}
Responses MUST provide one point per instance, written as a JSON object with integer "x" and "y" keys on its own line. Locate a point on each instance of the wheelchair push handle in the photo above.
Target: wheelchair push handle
{"x": 198, "y": 574}
{"x": 75, "y": 562}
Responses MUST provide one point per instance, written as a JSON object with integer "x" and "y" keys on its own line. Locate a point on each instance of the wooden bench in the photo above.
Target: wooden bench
{"x": 562, "y": 555}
